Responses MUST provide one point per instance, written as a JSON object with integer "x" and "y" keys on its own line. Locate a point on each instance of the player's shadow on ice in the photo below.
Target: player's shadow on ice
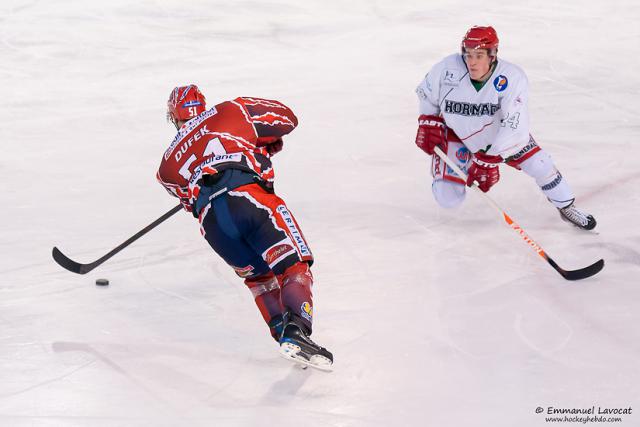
{"x": 287, "y": 388}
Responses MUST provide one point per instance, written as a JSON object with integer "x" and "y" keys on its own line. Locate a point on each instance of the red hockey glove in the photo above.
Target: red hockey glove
{"x": 430, "y": 133}
{"x": 275, "y": 147}
{"x": 484, "y": 169}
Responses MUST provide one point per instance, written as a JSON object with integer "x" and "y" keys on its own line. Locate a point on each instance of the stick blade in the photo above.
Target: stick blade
{"x": 69, "y": 264}
{"x": 581, "y": 273}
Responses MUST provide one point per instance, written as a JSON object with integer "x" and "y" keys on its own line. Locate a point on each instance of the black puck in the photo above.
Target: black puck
{"x": 102, "y": 282}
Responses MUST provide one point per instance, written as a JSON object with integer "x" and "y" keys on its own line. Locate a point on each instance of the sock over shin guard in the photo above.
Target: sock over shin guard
{"x": 297, "y": 298}
{"x": 266, "y": 291}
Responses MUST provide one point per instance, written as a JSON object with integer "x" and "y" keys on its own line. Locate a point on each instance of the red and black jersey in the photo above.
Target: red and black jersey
{"x": 232, "y": 134}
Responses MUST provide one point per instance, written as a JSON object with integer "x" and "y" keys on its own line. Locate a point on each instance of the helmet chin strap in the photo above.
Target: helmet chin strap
{"x": 492, "y": 67}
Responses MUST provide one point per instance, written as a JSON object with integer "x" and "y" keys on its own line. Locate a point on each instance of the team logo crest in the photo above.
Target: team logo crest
{"x": 306, "y": 311}
{"x": 500, "y": 83}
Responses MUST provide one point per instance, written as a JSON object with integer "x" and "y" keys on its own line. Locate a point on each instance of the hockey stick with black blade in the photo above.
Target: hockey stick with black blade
{"x": 579, "y": 274}
{"x": 76, "y": 267}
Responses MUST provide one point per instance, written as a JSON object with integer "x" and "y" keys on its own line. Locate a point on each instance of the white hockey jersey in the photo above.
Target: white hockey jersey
{"x": 495, "y": 118}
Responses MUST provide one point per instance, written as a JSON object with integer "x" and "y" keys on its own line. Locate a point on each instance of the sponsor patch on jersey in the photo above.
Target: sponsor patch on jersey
{"x": 193, "y": 103}
{"x": 500, "y": 83}
{"x": 277, "y": 253}
{"x": 306, "y": 311}
{"x": 450, "y": 78}
{"x": 294, "y": 232}
{"x": 210, "y": 162}
{"x": 468, "y": 109}
{"x": 463, "y": 155}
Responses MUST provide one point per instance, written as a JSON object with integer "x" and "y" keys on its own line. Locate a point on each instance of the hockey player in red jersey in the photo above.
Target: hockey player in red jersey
{"x": 474, "y": 106}
{"x": 219, "y": 166}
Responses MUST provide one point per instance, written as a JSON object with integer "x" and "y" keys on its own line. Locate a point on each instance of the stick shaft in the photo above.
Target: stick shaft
{"x": 514, "y": 226}
{"x": 79, "y": 268}
{"x": 579, "y": 274}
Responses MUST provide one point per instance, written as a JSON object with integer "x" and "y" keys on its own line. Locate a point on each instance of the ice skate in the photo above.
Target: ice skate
{"x": 577, "y": 217}
{"x": 297, "y": 347}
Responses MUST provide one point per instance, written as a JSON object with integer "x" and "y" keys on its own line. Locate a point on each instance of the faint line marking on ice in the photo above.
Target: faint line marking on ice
{"x": 140, "y": 271}
{"x": 600, "y": 329}
{"x": 517, "y": 326}
{"x": 487, "y": 288}
{"x": 171, "y": 294}
{"x": 586, "y": 93}
{"x": 247, "y": 359}
{"x": 625, "y": 179}
{"x": 450, "y": 340}
{"x": 48, "y": 418}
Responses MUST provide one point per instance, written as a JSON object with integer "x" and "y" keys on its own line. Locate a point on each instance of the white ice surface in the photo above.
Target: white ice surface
{"x": 435, "y": 318}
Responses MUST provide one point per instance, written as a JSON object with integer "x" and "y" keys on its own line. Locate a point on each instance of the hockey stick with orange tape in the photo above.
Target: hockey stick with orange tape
{"x": 579, "y": 274}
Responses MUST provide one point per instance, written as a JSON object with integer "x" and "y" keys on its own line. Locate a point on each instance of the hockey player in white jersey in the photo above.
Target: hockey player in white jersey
{"x": 474, "y": 107}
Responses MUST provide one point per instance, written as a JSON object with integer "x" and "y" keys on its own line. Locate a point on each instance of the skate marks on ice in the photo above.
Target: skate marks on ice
{"x": 505, "y": 319}
{"x": 177, "y": 379}
{"x": 150, "y": 384}
{"x": 604, "y": 190}
{"x": 42, "y": 383}
{"x": 309, "y": 392}
{"x": 62, "y": 347}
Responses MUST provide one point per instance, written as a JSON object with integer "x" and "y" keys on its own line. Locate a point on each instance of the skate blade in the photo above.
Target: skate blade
{"x": 291, "y": 352}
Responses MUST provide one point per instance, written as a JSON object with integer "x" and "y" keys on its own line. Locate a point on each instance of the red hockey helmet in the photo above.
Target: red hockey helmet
{"x": 185, "y": 103}
{"x": 481, "y": 38}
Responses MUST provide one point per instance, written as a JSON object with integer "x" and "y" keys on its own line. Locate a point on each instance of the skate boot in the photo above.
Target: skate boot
{"x": 296, "y": 346}
{"x": 577, "y": 217}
